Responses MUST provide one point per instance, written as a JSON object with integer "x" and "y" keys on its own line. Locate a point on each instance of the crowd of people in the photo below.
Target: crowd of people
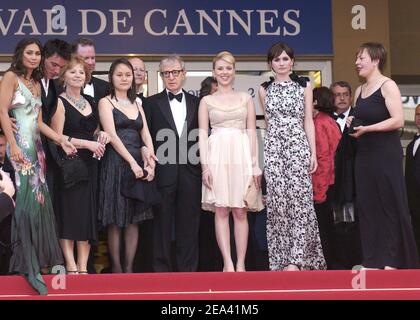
{"x": 85, "y": 155}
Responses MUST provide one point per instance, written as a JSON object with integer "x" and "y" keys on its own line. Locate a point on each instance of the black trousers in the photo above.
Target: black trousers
{"x": 415, "y": 221}
{"x": 181, "y": 206}
{"x": 324, "y": 214}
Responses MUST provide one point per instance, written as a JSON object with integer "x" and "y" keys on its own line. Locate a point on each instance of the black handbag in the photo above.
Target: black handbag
{"x": 138, "y": 189}
{"x": 73, "y": 170}
{"x": 355, "y": 123}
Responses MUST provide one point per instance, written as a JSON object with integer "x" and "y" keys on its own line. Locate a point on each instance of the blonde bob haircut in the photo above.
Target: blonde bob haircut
{"x": 74, "y": 61}
{"x": 225, "y": 56}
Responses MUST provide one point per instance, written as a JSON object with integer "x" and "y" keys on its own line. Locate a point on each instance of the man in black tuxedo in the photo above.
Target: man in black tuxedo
{"x": 5, "y": 164}
{"x": 172, "y": 116}
{"x": 96, "y": 88}
{"x": 57, "y": 53}
{"x": 347, "y": 246}
{"x": 412, "y": 178}
{"x": 143, "y": 261}
{"x": 7, "y": 191}
{"x": 139, "y": 76}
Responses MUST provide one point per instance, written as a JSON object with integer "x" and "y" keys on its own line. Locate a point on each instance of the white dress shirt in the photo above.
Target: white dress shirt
{"x": 179, "y": 111}
{"x": 416, "y": 145}
{"x": 88, "y": 89}
{"x": 342, "y": 122}
{"x": 46, "y": 85}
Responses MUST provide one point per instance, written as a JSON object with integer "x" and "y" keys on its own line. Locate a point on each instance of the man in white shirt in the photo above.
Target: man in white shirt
{"x": 172, "y": 117}
{"x": 347, "y": 237}
{"x": 57, "y": 53}
{"x": 412, "y": 178}
{"x": 139, "y": 75}
{"x": 96, "y": 88}
{"x": 342, "y": 100}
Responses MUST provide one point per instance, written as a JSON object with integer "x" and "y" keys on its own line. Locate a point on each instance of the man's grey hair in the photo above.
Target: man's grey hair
{"x": 170, "y": 60}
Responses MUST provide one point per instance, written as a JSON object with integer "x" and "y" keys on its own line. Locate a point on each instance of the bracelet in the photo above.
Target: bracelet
{"x": 69, "y": 138}
{"x": 205, "y": 171}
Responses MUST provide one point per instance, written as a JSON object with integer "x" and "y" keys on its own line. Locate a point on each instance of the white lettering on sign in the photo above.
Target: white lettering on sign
{"x": 56, "y": 23}
{"x": 148, "y": 27}
{"x": 157, "y": 22}
{"x": 117, "y": 21}
{"x": 30, "y": 23}
{"x": 102, "y": 18}
{"x": 4, "y": 29}
{"x": 359, "y": 20}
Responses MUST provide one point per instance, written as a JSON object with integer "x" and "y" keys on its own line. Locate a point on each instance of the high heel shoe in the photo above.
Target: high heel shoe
{"x": 70, "y": 272}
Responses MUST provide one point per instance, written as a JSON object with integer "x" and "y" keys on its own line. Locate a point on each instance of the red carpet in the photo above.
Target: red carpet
{"x": 330, "y": 285}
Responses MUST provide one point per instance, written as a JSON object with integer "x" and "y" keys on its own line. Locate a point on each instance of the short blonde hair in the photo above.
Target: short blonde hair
{"x": 225, "y": 56}
{"x": 74, "y": 61}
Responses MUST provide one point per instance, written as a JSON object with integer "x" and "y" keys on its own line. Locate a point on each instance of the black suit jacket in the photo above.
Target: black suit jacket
{"x": 101, "y": 88}
{"x": 185, "y": 151}
{"x": 344, "y": 184}
{"x": 141, "y": 97}
{"x": 8, "y": 167}
{"x": 49, "y": 101}
{"x": 412, "y": 179}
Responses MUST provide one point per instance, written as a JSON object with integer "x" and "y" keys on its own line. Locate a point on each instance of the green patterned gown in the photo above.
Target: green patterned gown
{"x": 34, "y": 236}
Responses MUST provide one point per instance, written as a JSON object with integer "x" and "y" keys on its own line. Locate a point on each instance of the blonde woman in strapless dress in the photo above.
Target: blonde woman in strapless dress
{"x": 231, "y": 176}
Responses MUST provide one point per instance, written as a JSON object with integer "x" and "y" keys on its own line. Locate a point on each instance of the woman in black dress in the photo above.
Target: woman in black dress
{"x": 77, "y": 118}
{"x": 385, "y": 227}
{"x": 126, "y": 187}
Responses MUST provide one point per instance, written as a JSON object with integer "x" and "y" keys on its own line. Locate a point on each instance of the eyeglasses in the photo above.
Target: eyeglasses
{"x": 167, "y": 74}
{"x": 342, "y": 94}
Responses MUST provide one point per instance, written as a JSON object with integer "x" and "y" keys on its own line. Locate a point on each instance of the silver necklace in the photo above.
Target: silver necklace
{"x": 123, "y": 102}
{"x": 78, "y": 103}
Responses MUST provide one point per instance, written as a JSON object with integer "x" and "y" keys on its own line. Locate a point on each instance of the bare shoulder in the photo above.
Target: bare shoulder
{"x": 357, "y": 92}
{"x": 245, "y": 95}
{"x": 104, "y": 102}
{"x": 10, "y": 78}
{"x": 390, "y": 89}
{"x": 389, "y": 84}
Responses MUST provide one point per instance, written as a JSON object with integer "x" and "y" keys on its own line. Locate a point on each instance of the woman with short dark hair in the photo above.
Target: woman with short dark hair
{"x": 385, "y": 228}
{"x": 327, "y": 137}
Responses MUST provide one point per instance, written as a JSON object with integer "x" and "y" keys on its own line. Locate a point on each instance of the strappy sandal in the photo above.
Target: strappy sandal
{"x": 72, "y": 272}
{"x": 83, "y": 272}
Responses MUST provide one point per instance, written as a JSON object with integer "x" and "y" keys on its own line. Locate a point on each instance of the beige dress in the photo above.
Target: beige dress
{"x": 229, "y": 159}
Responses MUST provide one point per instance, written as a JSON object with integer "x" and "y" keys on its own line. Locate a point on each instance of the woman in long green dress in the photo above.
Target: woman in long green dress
{"x": 35, "y": 244}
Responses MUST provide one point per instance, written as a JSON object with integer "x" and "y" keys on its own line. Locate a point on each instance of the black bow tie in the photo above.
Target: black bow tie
{"x": 416, "y": 137}
{"x": 341, "y": 116}
{"x": 175, "y": 96}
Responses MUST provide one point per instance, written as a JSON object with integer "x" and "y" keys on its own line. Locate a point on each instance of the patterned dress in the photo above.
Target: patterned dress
{"x": 292, "y": 228}
{"x": 34, "y": 236}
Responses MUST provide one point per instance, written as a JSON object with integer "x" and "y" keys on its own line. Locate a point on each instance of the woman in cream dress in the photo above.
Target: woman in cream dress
{"x": 231, "y": 176}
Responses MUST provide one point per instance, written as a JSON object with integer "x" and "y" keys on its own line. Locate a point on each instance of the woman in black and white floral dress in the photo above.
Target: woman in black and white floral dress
{"x": 290, "y": 159}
